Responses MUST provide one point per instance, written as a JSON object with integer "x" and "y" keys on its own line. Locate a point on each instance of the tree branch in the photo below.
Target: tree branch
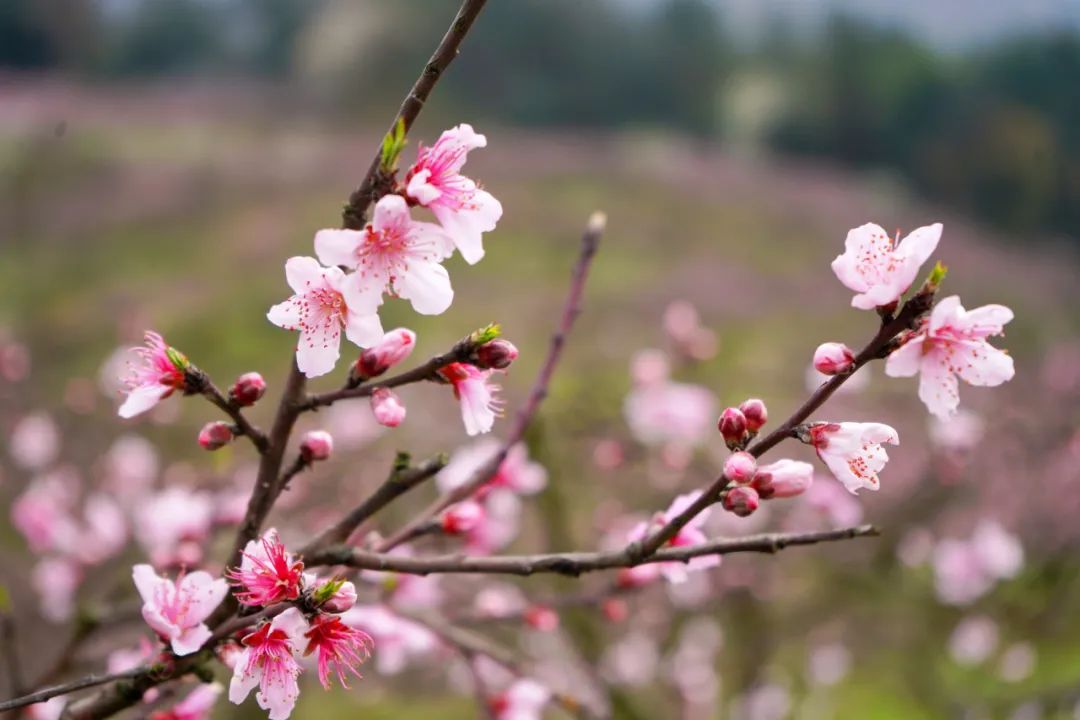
{"x": 63, "y": 689}
{"x": 243, "y": 427}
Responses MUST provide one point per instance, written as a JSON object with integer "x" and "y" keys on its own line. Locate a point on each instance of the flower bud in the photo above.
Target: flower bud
{"x": 732, "y": 426}
{"x": 395, "y": 346}
{"x": 542, "y": 618}
{"x": 615, "y": 609}
{"x": 833, "y": 358}
{"x": 387, "y": 407}
{"x": 783, "y": 479}
{"x": 335, "y": 596}
{"x": 496, "y": 355}
{"x": 742, "y": 500}
{"x": 215, "y": 435}
{"x": 462, "y": 517}
{"x": 740, "y": 467}
{"x": 247, "y": 389}
{"x": 316, "y": 445}
{"x": 755, "y": 413}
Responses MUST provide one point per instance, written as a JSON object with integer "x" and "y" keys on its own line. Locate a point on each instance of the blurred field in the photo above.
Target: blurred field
{"x": 174, "y": 208}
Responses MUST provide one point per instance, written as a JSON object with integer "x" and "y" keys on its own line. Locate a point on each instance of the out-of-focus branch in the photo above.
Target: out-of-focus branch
{"x": 372, "y": 187}
{"x": 575, "y": 563}
{"x": 65, "y": 688}
{"x": 590, "y": 241}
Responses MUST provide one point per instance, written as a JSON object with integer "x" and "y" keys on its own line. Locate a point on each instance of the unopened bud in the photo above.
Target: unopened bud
{"x": 833, "y": 358}
{"x": 732, "y": 426}
{"x": 247, "y": 389}
{"x": 755, "y": 413}
{"x": 783, "y": 479}
{"x": 395, "y": 346}
{"x": 335, "y": 596}
{"x": 387, "y": 407}
{"x": 496, "y": 355}
{"x": 542, "y": 618}
{"x": 215, "y": 435}
{"x": 615, "y": 609}
{"x": 316, "y": 445}
{"x": 742, "y": 500}
{"x": 740, "y": 467}
{"x": 462, "y": 517}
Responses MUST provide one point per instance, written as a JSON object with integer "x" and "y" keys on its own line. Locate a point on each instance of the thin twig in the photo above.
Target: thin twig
{"x": 590, "y": 241}
{"x": 241, "y": 423}
{"x": 63, "y": 689}
{"x": 574, "y": 563}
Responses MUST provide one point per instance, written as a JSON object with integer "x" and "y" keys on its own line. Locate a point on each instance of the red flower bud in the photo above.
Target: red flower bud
{"x": 316, "y": 445}
{"x": 542, "y": 618}
{"x": 615, "y": 609}
{"x": 247, "y": 389}
{"x": 732, "y": 426}
{"x": 833, "y": 358}
{"x": 462, "y": 517}
{"x": 496, "y": 355}
{"x": 215, "y": 435}
{"x": 742, "y": 500}
{"x": 395, "y": 346}
{"x": 740, "y": 467}
{"x": 755, "y": 413}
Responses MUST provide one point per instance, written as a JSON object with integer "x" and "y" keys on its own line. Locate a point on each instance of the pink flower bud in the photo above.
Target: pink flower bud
{"x": 542, "y": 618}
{"x": 342, "y": 599}
{"x": 395, "y": 346}
{"x": 215, "y": 435}
{"x": 496, "y": 355}
{"x": 833, "y": 358}
{"x": 755, "y": 413}
{"x": 317, "y": 445}
{"x": 247, "y": 389}
{"x": 462, "y": 518}
{"x": 732, "y": 426}
{"x": 387, "y": 407}
{"x": 615, "y": 610}
{"x": 783, "y": 479}
{"x": 740, "y": 467}
{"x": 742, "y": 500}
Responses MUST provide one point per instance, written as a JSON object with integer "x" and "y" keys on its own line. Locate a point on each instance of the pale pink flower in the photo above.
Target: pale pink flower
{"x": 670, "y": 411}
{"x": 516, "y": 472}
{"x": 633, "y": 659}
{"x": 397, "y": 640}
{"x": 462, "y": 517}
{"x": 56, "y": 581}
{"x": 177, "y": 610}
{"x": 131, "y": 464}
{"x": 160, "y": 374}
{"x": 1017, "y": 662}
{"x": 965, "y": 570}
{"x": 973, "y": 640}
{"x": 394, "y": 254}
{"x": 959, "y": 433}
{"x": 35, "y": 441}
{"x": 324, "y": 303}
{"x": 387, "y": 407}
{"x": 340, "y": 648}
{"x": 952, "y": 343}
{"x": 853, "y": 451}
{"x": 435, "y": 181}
{"x": 129, "y": 658}
{"x": 405, "y": 591}
{"x": 98, "y": 535}
{"x": 196, "y": 706}
{"x": 839, "y": 507}
{"x": 879, "y": 269}
{"x": 999, "y": 552}
{"x": 268, "y": 661}
{"x": 396, "y": 345}
{"x": 650, "y": 367}
{"x": 689, "y": 535}
{"x": 480, "y": 404}
{"x": 523, "y": 700}
{"x": 740, "y": 467}
{"x": 43, "y": 508}
{"x": 783, "y": 479}
{"x": 828, "y": 664}
{"x": 268, "y": 573}
{"x": 172, "y": 525}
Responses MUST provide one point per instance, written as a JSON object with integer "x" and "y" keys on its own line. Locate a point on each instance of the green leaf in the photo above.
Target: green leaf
{"x": 392, "y": 145}
{"x": 486, "y": 334}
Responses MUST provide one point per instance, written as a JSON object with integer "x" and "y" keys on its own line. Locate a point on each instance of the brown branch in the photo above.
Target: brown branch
{"x": 590, "y": 241}
{"x": 242, "y": 426}
{"x": 403, "y": 478}
{"x": 574, "y": 563}
{"x": 373, "y": 186}
{"x": 63, "y": 689}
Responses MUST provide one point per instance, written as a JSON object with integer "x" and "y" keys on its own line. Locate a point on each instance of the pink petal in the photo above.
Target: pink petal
{"x": 191, "y": 639}
{"x": 920, "y": 243}
{"x": 338, "y": 247}
{"x": 906, "y": 360}
{"x": 427, "y": 286}
{"x": 303, "y": 274}
{"x": 142, "y": 399}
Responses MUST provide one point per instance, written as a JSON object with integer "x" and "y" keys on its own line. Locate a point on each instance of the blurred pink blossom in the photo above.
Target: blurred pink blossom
{"x": 398, "y": 641}
{"x": 56, "y": 581}
{"x": 173, "y": 525}
{"x": 689, "y": 535}
{"x": 523, "y": 700}
{"x": 196, "y": 706}
{"x": 670, "y": 411}
{"x": 973, "y": 640}
{"x": 34, "y": 442}
{"x": 517, "y": 472}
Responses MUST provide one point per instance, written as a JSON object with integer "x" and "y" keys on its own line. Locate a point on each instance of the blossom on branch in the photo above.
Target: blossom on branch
{"x": 953, "y": 343}
{"x": 268, "y": 660}
{"x": 340, "y": 648}
{"x": 196, "y": 706}
{"x": 162, "y": 372}
{"x": 523, "y": 700}
{"x": 879, "y": 269}
{"x": 177, "y": 610}
{"x": 480, "y": 404}
{"x": 853, "y": 451}
{"x": 268, "y": 573}
{"x": 688, "y": 536}
{"x": 435, "y": 181}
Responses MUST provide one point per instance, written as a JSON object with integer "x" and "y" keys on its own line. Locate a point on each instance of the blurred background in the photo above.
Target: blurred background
{"x": 159, "y": 159}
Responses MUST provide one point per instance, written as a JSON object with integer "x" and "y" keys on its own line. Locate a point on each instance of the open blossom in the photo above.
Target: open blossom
{"x": 952, "y": 343}
{"x": 523, "y": 700}
{"x": 176, "y": 610}
{"x": 196, "y": 706}
{"x": 689, "y": 535}
{"x": 879, "y": 269}
{"x": 340, "y": 648}
{"x": 393, "y": 253}
{"x": 435, "y": 181}
{"x": 159, "y": 375}
{"x": 324, "y": 303}
{"x": 268, "y": 660}
{"x": 480, "y": 404}
{"x": 268, "y": 573}
{"x": 853, "y": 451}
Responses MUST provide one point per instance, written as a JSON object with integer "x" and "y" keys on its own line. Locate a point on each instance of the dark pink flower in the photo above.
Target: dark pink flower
{"x": 268, "y": 660}
{"x": 340, "y": 648}
{"x": 268, "y": 573}
{"x": 161, "y": 373}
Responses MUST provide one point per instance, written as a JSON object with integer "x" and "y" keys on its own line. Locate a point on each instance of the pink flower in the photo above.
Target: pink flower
{"x": 395, "y": 346}
{"x": 161, "y": 373}
{"x": 393, "y": 253}
{"x": 56, "y": 581}
{"x": 833, "y": 358}
{"x": 877, "y": 268}
{"x": 479, "y": 400}
{"x": 853, "y": 452}
{"x": 172, "y": 525}
{"x": 953, "y": 343}
{"x": 783, "y": 479}
{"x": 387, "y": 407}
{"x": 462, "y": 517}
{"x": 247, "y": 389}
{"x": 964, "y": 570}
{"x": 689, "y": 535}
{"x": 340, "y": 647}
{"x": 435, "y": 181}
{"x": 43, "y": 507}
{"x": 524, "y": 700}
{"x": 740, "y": 467}
{"x": 35, "y": 441}
{"x": 196, "y": 706}
{"x": 670, "y": 412}
{"x": 516, "y": 473}
{"x": 398, "y": 639}
{"x": 324, "y": 303}
{"x": 268, "y": 661}
{"x": 176, "y": 611}
{"x": 317, "y": 445}
{"x": 268, "y": 573}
